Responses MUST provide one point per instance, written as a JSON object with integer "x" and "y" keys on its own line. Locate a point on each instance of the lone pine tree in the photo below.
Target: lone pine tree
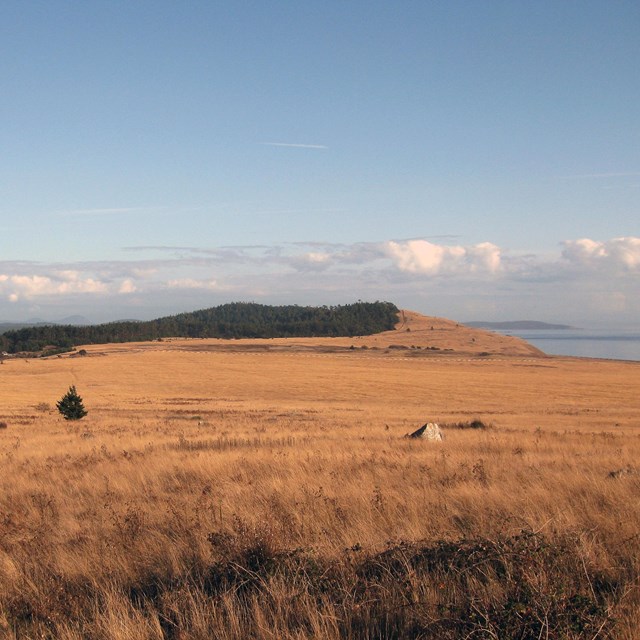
{"x": 70, "y": 405}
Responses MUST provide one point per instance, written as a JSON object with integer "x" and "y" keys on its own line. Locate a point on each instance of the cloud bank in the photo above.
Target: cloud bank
{"x": 600, "y": 277}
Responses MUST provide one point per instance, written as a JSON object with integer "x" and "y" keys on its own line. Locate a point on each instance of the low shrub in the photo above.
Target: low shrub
{"x": 469, "y": 424}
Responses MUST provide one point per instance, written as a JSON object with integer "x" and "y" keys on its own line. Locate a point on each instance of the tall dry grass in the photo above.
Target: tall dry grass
{"x": 237, "y": 496}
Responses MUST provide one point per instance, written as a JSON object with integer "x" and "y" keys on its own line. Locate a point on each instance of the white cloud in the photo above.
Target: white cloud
{"x": 127, "y": 286}
{"x": 88, "y": 285}
{"x": 484, "y": 257}
{"x": 144, "y": 273}
{"x": 416, "y": 256}
{"x": 190, "y": 283}
{"x": 311, "y": 261}
{"x": 618, "y": 254}
{"x": 29, "y": 286}
{"x": 421, "y": 256}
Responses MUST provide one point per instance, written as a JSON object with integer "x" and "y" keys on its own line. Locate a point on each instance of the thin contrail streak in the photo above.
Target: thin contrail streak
{"x": 295, "y": 145}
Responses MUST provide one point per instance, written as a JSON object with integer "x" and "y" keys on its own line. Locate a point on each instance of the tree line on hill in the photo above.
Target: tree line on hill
{"x": 233, "y": 320}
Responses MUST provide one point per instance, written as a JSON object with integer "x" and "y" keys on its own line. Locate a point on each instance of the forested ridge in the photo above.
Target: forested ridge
{"x": 233, "y": 320}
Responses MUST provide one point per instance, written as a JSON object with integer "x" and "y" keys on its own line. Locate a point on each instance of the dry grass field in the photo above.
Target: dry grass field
{"x": 263, "y": 489}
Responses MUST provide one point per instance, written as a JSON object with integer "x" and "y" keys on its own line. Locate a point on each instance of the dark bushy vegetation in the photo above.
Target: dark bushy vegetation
{"x": 471, "y": 424}
{"x": 71, "y": 406}
{"x": 234, "y": 320}
{"x": 522, "y": 586}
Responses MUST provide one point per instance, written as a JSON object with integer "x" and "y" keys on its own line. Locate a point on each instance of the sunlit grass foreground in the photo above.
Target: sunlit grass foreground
{"x": 183, "y": 507}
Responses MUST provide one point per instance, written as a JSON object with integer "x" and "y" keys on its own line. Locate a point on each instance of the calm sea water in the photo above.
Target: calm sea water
{"x": 587, "y": 344}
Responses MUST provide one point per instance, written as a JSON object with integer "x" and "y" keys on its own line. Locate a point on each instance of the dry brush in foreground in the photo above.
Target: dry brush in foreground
{"x": 503, "y": 535}
{"x": 174, "y": 515}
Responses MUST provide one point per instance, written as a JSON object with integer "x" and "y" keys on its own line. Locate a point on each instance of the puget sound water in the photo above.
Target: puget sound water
{"x": 584, "y": 343}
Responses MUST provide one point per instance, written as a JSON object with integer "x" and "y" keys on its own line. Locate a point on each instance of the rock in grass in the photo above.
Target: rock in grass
{"x": 428, "y": 431}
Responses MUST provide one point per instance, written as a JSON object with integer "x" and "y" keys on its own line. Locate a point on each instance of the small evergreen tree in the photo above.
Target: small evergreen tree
{"x": 70, "y": 405}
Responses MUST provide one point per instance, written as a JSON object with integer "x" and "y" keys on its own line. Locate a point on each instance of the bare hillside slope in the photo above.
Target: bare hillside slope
{"x": 417, "y": 330}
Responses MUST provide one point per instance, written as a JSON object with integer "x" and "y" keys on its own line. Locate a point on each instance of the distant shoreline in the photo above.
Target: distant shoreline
{"x": 520, "y": 325}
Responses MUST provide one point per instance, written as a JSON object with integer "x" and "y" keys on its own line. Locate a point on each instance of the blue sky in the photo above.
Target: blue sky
{"x": 475, "y": 160}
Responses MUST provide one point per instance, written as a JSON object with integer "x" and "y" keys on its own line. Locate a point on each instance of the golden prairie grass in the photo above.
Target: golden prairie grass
{"x": 271, "y": 495}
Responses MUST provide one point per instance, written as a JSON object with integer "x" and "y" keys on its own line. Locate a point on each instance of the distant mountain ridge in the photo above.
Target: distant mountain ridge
{"x": 14, "y": 326}
{"x": 38, "y": 322}
{"x": 518, "y": 325}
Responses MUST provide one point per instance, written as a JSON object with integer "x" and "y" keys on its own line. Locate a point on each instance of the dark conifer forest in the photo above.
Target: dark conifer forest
{"x": 234, "y": 320}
